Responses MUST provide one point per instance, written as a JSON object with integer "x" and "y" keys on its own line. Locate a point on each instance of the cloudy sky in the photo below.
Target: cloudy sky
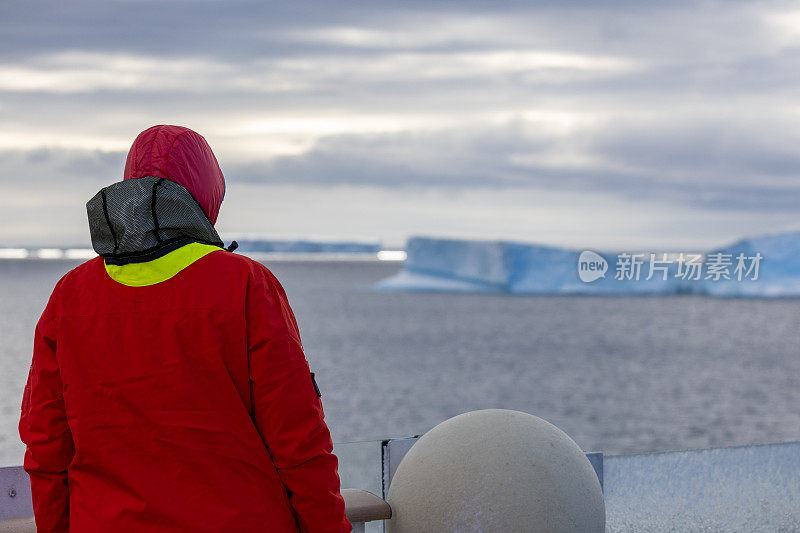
{"x": 589, "y": 124}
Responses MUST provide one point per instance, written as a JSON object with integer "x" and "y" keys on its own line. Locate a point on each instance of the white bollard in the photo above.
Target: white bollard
{"x": 495, "y": 471}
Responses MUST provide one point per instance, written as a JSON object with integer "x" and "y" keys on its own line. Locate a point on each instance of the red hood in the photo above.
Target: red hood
{"x": 181, "y": 155}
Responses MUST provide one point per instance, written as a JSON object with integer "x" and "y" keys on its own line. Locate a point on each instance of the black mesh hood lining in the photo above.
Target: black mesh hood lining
{"x": 142, "y": 219}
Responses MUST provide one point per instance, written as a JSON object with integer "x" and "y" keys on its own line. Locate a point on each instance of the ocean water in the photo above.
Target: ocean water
{"x": 618, "y": 374}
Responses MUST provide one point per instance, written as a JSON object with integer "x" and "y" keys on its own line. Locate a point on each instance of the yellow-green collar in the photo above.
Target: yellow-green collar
{"x": 161, "y": 269}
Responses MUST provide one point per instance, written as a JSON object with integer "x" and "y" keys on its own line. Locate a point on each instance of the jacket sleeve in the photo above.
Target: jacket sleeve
{"x": 43, "y": 427}
{"x": 288, "y": 412}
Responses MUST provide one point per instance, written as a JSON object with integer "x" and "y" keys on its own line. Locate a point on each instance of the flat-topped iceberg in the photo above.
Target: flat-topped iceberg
{"x": 761, "y": 267}
{"x": 779, "y": 271}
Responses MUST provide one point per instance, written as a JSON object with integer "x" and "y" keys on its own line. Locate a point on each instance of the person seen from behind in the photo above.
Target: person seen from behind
{"x": 169, "y": 390}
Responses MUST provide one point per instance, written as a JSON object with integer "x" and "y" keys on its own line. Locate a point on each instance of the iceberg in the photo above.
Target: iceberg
{"x": 450, "y": 265}
{"x": 778, "y": 271}
{"x": 503, "y": 267}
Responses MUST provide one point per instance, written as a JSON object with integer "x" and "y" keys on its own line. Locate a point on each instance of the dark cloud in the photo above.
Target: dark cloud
{"x": 708, "y": 167}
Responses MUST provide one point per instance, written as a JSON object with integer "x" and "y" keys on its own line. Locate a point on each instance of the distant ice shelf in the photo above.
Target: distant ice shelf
{"x": 306, "y": 246}
{"x": 255, "y": 247}
{"x": 46, "y": 253}
{"x": 315, "y": 250}
{"x": 502, "y": 267}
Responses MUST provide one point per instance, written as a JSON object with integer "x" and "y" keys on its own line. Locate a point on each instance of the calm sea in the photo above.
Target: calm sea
{"x": 617, "y": 374}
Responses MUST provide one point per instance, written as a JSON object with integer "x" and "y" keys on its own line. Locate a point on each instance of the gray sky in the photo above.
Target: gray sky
{"x": 588, "y": 124}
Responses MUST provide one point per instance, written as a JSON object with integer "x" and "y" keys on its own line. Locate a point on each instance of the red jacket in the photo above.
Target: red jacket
{"x": 182, "y": 405}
